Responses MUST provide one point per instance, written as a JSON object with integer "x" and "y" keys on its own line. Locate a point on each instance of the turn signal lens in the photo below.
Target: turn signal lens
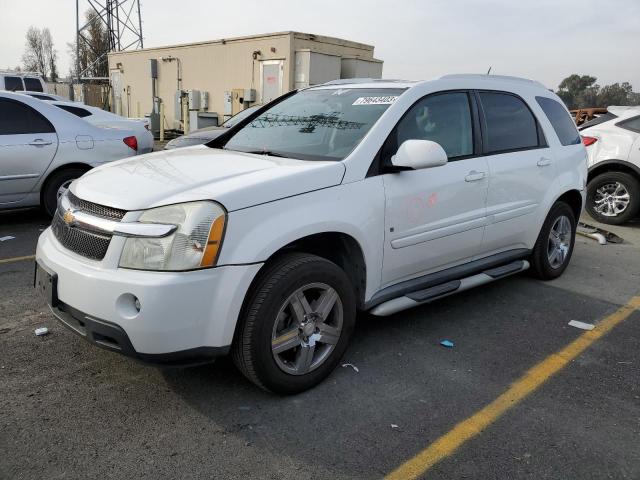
{"x": 589, "y": 141}
{"x": 213, "y": 243}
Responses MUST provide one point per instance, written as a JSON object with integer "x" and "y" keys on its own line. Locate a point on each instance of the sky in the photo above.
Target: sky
{"x": 545, "y": 40}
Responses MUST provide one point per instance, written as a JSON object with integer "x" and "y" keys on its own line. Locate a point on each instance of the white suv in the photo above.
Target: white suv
{"x": 369, "y": 196}
{"x": 613, "y": 146}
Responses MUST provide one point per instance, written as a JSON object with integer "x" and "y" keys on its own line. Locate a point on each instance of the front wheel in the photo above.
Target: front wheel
{"x": 56, "y": 186}
{"x": 554, "y": 246}
{"x": 296, "y": 324}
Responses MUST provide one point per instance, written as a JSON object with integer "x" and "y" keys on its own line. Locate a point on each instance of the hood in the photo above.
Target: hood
{"x": 236, "y": 180}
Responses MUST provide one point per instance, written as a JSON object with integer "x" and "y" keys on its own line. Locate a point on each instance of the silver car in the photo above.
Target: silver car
{"x": 44, "y": 148}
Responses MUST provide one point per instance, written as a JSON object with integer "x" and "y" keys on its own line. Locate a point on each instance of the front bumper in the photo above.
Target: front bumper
{"x": 182, "y": 314}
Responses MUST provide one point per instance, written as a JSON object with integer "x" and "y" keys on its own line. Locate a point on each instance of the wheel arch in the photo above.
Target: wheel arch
{"x": 66, "y": 166}
{"x": 613, "y": 166}
{"x": 574, "y": 199}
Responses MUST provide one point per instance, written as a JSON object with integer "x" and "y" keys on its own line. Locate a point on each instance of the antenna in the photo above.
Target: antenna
{"x": 489, "y": 71}
{"x": 123, "y": 23}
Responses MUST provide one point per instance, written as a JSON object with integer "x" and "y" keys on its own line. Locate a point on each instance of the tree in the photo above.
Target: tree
{"x": 581, "y": 91}
{"x": 40, "y": 54}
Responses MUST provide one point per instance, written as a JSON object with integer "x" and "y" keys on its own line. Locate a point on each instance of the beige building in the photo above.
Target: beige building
{"x": 215, "y": 79}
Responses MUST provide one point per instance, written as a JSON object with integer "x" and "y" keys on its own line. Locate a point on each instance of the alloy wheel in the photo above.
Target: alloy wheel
{"x": 611, "y": 199}
{"x": 559, "y": 241}
{"x": 307, "y": 328}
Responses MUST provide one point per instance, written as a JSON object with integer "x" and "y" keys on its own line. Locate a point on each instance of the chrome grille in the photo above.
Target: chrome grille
{"x": 89, "y": 244}
{"x": 95, "y": 209}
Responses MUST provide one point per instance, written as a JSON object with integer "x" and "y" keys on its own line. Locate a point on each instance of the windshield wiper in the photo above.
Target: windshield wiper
{"x": 269, "y": 153}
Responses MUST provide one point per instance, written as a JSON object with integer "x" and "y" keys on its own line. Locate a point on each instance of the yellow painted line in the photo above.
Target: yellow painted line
{"x": 528, "y": 383}
{"x": 17, "y": 259}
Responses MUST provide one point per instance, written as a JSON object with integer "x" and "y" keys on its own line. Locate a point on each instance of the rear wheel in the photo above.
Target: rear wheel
{"x": 296, "y": 324}
{"x": 613, "y": 198}
{"x": 57, "y": 184}
{"x": 552, "y": 251}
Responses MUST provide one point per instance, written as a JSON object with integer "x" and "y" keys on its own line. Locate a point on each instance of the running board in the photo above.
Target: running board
{"x": 420, "y": 297}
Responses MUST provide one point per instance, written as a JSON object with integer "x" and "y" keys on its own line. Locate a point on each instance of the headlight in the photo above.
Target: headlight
{"x": 195, "y": 244}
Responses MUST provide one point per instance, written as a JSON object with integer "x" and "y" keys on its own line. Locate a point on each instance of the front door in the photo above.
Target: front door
{"x": 28, "y": 143}
{"x": 435, "y": 217}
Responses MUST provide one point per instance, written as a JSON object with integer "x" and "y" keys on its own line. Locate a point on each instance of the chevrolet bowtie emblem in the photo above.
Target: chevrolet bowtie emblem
{"x": 68, "y": 217}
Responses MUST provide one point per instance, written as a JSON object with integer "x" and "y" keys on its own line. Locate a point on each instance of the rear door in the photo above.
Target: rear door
{"x": 632, "y": 125}
{"x": 435, "y": 217}
{"x": 28, "y": 143}
{"x": 521, "y": 169}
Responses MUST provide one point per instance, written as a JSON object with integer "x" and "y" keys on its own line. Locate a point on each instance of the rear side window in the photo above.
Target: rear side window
{"x": 560, "y": 121}
{"x": 32, "y": 84}
{"x": 41, "y": 97}
{"x": 605, "y": 117}
{"x": 632, "y": 124}
{"x": 442, "y": 118}
{"x": 17, "y": 118}
{"x": 510, "y": 125}
{"x": 13, "y": 84}
{"x": 78, "y": 112}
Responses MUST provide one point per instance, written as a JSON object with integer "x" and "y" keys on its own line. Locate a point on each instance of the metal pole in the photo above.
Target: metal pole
{"x": 78, "y": 41}
{"x": 140, "y": 25}
{"x": 162, "y": 122}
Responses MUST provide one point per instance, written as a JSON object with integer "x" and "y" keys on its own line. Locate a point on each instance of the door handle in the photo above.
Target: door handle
{"x": 38, "y": 142}
{"x": 474, "y": 176}
{"x": 544, "y": 162}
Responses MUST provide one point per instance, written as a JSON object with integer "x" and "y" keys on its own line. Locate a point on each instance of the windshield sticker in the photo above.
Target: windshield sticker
{"x": 375, "y": 100}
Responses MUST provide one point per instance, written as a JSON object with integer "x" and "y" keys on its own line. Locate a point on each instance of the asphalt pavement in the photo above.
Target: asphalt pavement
{"x": 69, "y": 410}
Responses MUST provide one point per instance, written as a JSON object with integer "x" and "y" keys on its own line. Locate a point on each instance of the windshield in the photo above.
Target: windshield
{"x": 323, "y": 124}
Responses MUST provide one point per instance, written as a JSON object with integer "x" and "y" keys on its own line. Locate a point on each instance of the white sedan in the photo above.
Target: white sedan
{"x": 97, "y": 116}
{"x": 43, "y": 149}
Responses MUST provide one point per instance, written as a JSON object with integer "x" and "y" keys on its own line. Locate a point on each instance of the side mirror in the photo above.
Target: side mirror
{"x": 417, "y": 154}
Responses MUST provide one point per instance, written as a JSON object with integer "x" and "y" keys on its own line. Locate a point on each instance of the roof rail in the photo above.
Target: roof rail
{"x": 21, "y": 73}
{"x": 483, "y": 76}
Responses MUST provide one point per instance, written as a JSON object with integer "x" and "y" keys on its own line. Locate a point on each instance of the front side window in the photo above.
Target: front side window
{"x": 510, "y": 125}
{"x": 13, "y": 84}
{"x": 560, "y": 120}
{"x": 442, "y": 118}
{"x": 32, "y": 84}
{"x": 316, "y": 124}
{"x": 18, "y": 119}
{"x": 632, "y": 124}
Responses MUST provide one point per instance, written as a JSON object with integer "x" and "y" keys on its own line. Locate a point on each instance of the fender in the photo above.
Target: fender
{"x": 614, "y": 161}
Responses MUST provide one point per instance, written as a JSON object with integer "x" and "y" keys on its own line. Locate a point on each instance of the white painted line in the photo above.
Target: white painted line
{"x": 581, "y": 325}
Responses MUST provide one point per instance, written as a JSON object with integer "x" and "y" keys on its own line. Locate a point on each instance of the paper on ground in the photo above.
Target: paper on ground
{"x": 581, "y": 325}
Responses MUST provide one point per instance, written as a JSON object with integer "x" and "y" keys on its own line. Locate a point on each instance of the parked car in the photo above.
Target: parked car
{"x": 102, "y": 118}
{"x": 43, "y": 149}
{"x": 267, "y": 240}
{"x": 19, "y": 81}
{"x": 204, "y": 135}
{"x": 613, "y": 146}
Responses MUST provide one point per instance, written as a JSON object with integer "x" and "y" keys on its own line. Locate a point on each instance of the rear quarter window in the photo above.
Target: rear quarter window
{"x": 560, "y": 120}
{"x": 77, "y": 111}
{"x": 632, "y": 124}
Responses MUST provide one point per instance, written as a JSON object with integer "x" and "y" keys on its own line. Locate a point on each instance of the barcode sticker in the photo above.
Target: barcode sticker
{"x": 375, "y": 100}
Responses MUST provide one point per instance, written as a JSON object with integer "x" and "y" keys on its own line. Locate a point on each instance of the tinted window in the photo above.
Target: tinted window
{"x": 32, "y": 84}
{"x": 560, "y": 121}
{"x": 444, "y": 119}
{"x": 78, "y": 112}
{"x": 605, "y": 117}
{"x": 13, "y": 84}
{"x": 632, "y": 124}
{"x": 240, "y": 116}
{"x": 40, "y": 97}
{"x": 510, "y": 124}
{"x": 315, "y": 124}
{"x": 17, "y": 118}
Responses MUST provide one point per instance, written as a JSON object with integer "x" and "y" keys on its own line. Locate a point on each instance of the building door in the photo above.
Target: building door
{"x": 271, "y": 73}
{"x": 116, "y": 89}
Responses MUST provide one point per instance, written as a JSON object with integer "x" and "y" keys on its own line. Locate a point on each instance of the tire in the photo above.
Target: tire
{"x": 546, "y": 262}
{"x": 269, "y": 313}
{"x": 56, "y": 181}
{"x": 604, "y": 187}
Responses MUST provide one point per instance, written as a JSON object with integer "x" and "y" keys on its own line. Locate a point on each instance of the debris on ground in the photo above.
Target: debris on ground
{"x": 447, "y": 343}
{"x": 41, "y": 331}
{"x": 602, "y": 236}
{"x": 350, "y": 365}
{"x": 393, "y": 425}
{"x": 8, "y": 237}
{"x": 582, "y": 325}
